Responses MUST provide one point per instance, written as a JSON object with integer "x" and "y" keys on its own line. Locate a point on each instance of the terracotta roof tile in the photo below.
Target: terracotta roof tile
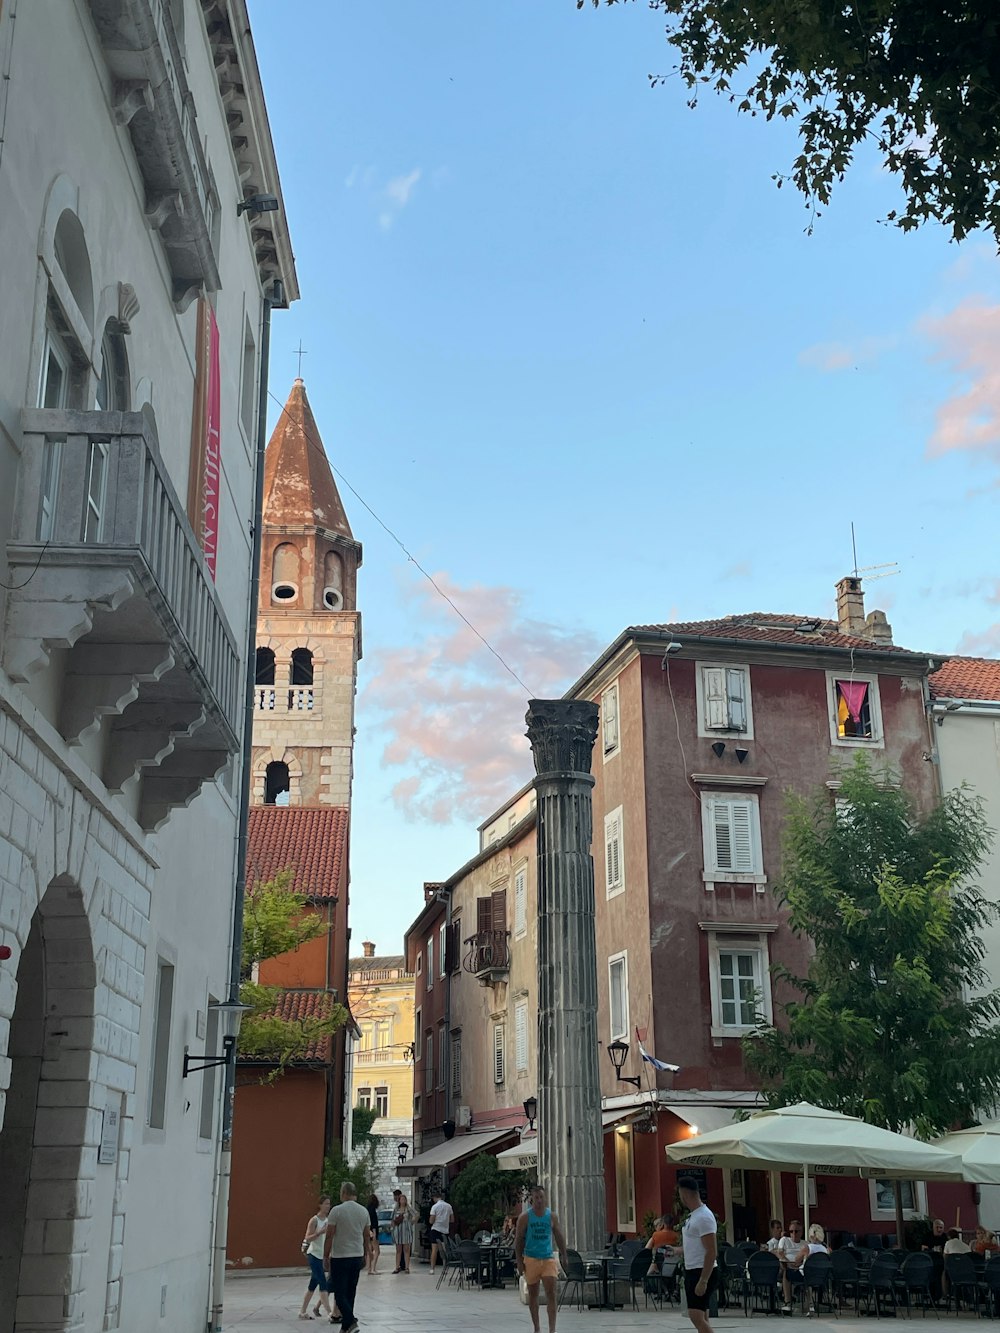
{"x": 967, "y": 678}
{"x": 296, "y": 1004}
{"x": 298, "y": 481}
{"x": 311, "y": 840}
{"x": 771, "y": 627}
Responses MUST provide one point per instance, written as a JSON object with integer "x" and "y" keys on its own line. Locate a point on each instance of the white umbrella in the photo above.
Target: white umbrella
{"x": 803, "y": 1137}
{"x": 979, "y": 1149}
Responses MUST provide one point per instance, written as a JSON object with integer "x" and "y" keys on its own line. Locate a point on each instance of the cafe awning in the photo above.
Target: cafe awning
{"x": 700, "y": 1119}
{"x": 452, "y": 1150}
{"x": 524, "y": 1155}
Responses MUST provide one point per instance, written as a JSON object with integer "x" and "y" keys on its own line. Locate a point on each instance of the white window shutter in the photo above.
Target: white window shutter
{"x": 613, "y": 851}
{"x": 743, "y": 841}
{"x": 520, "y": 902}
{"x": 609, "y": 705}
{"x": 498, "y": 1054}
{"x": 521, "y": 1036}
{"x": 616, "y": 988}
{"x": 736, "y": 683}
{"x": 722, "y": 833}
{"x": 716, "y": 702}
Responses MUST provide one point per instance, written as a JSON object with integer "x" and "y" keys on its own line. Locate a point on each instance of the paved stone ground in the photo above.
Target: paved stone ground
{"x": 387, "y": 1304}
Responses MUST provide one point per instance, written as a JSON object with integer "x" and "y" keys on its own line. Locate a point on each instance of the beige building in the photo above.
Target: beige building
{"x": 380, "y": 996}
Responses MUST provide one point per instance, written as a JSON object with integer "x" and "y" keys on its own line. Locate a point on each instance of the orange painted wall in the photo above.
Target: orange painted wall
{"x": 305, "y": 967}
{"x": 278, "y": 1133}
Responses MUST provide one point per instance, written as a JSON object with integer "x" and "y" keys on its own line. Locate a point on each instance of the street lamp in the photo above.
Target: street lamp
{"x": 401, "y": 1152}
{"x": 618, "y": 1051}
{"x": 531, "y": 1110}
{"x": 231, "y": 1014}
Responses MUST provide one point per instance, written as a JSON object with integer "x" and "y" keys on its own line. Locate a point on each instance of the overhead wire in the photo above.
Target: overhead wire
{"x": 318, "y": 445}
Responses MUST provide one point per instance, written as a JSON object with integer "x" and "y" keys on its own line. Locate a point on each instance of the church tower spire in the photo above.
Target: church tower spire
{"x": 309, "y": 628}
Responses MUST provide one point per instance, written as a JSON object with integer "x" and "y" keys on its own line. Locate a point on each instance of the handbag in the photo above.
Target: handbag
{"x": 522, "y": 1287}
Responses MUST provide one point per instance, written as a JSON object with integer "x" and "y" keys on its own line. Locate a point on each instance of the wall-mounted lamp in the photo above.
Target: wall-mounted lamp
{"x": 401, "y": 1152}
{"x": 231, "y": 1014}
{"x": 257, "y": 203}
{"x": 741, "y": 753}
{"x": 718, "y": 748}
{"x": 410, "y": 1052}
{"x": 618, "y": 1051}
{"x": 531, "y": 1110}
{"x": 448, "y": 1129}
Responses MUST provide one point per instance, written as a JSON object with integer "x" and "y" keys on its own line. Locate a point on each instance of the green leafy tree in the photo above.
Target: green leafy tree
{"x": 482, "y": 1194}
{"x": 362, "y": 1119}
{"x": 361, "y": 1172}
{"x": 277, "y": 920}
{"x": 919, "y": 79}
{"x": 893, "y": 1021}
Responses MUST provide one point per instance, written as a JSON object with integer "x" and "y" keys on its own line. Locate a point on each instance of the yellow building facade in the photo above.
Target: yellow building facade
{"x": 381, "y": 995}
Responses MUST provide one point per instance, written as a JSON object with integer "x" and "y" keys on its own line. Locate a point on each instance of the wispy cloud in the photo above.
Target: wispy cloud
{"x": 396, "y": 195}
{"x": 742, "y": 569}
{"x": 968, "y": 338}
{"x": 388, "y": 197}
{"x": 451, "y": 717}
{"x": 830, "y": 357}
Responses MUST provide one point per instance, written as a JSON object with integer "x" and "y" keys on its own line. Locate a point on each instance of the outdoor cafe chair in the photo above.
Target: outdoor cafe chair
{"x": 638, "y": 1272}
{"x": 577, "y": 1278}
{"x": 748, "y": 1247}
{"x": 963, "y": 1280}
{"x": 991, "y": 1284}
{"x": 763, "y": 1272}
{"x": 917, "y": 1272}
{"x": 845, "y": 1277}
{"x": 470, "y": 1263}
{"x": 816, "y": 1273}
{"x": 880, "y": 1284}
{"x": 733, "y": 1276}
{"x": 449, "y": 1257}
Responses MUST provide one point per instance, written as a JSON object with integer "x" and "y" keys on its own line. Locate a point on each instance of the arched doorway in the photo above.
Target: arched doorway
{"x": 52, "y": 1022}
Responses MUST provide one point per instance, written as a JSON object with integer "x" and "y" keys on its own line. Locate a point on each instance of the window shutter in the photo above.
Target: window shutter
{"x": 520, "y": 902}
{"x": 429, "y": 1063}
{"x": 743, "y": 850}
{"x": 722, "y": 833}
{"x": 498, "y": 1053}
{"x": 521, "y": 1036}
{"x": 716, "y": 702}
{"x": 484, "y": 915}
{"x": 616, "y": 988}
{"x": 609, "y": 707}
{"x": 499, "y": 909}
{"x": 736, "y": 683}
{"x": 613, "y": 851}
{"x": 456, "y": 1064}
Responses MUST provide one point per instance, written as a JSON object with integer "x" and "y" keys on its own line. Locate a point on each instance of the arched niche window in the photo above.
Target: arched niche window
{"x": 333, "y": 582}
{"x": 302, "y": 667}
{"x": 276, "y": 784}
{"x": 113, "y": 394}
{"x": 265, "y": 667}
{"x": 285, "y": 573}
{"x": 70, "y": 248}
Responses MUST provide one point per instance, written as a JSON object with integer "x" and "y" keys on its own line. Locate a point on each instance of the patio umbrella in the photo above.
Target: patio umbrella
{"x": 979, "y": 1149}
{"x": 803, "y": 1137}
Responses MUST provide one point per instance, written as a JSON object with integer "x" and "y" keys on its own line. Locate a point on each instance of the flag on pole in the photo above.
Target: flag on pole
{"x": 657, "y": 1064}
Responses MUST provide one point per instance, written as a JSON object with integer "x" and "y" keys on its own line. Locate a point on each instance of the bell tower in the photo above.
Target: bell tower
{"x": 308, "y": 627}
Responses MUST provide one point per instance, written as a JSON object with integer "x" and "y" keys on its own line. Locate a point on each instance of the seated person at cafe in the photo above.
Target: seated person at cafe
{"x": 985, "y": 1240}
{"x": 792, "y": 1269}
{"x": 935, "y": 1245}
{"x": 955, "y": 1244}
{"x": 773, "y": 1242}
{"x": 663, "y": 1234}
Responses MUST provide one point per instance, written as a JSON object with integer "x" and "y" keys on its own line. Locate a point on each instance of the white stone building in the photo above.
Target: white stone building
{"x": 130, "y": 337}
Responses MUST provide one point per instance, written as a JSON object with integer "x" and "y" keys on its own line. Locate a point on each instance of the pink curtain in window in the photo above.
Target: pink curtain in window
{"x": 854, "y": 694}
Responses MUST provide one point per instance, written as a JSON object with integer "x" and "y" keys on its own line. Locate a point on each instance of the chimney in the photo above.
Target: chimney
{"x": 877, "y": 628}
{"x": 369, "y": 948}
{"x": 850, "y": 606}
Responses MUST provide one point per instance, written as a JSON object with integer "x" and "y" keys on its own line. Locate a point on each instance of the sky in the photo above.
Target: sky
{"x": 574, "y": 354}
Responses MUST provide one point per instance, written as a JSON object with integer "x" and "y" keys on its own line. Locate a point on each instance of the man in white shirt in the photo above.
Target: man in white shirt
{"x": 775, "y": 1238}
{"x": 350, "y": 1227}
{"x": 699, "y": 1240}
{"x": 442, "y": 1215}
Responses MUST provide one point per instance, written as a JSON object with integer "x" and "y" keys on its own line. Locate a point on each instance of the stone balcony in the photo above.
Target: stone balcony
{"x": 111, "y": 590}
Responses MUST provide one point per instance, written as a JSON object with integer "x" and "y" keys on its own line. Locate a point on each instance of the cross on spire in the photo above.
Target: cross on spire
{"x": 300, "y": 352}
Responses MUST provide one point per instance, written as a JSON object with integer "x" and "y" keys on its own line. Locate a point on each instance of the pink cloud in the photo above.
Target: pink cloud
{"x": 985, "y": 643}
{"x": 452, "y": 717}
{"x": 833, "y": 356}
{"x": 969, "y": 339}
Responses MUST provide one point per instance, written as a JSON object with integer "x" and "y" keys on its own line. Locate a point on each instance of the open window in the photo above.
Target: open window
{"x": 855, "y": 709}
{"x": 723, "y": 699}
{"x": 264, "y": 673}
{"x": 277, "y": 787}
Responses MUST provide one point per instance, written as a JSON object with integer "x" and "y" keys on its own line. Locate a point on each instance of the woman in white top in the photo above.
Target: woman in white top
{"x": 792, "y": 1275}
{"x": 313, "y": 1246}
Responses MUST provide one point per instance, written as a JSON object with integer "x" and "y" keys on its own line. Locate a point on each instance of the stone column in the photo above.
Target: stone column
{"x": 570, "y": 1138}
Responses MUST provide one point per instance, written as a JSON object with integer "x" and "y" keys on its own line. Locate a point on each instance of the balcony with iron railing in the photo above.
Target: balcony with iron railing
{"x": 488, "y": 958}
{"x": 107, "y": 573}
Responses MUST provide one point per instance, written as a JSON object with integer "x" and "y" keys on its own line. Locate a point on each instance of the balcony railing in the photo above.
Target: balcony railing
{"x": 376, "y": 1057}
{"x": 488, "y": 958}
{"x": 106, "y": 568}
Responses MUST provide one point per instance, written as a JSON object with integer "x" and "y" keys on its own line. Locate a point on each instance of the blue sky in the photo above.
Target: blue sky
{"x": 572, "y": 345}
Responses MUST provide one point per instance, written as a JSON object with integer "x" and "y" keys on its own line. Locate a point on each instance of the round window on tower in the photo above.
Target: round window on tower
{"x": 285, "y": 573}
{"x": 333, "y": 599}
{"x": 284, "y": 592}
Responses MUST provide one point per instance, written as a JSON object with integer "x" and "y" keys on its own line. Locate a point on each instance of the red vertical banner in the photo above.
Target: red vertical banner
{"x": 213, "y": 449}
{"x": 206, "y": 438}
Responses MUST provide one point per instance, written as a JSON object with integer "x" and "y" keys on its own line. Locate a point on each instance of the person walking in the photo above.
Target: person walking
{"x": 350, "y": 1228}
{"x": 375, "y": 1249}
{"x": 312, "y": 1246}
{"x": 402, "y": 1229}
{"x": 442, "y": 1217}
{"x": 699, "y": 1242}
{"x": 537, "y": 1229}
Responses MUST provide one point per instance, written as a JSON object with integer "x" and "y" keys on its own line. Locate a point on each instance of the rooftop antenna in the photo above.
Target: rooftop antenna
{"x": 889, "y": 567}
{"x": 854, "y": 548}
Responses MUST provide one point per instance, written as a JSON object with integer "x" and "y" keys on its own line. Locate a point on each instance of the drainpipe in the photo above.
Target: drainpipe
{"x": 239, "y": 894}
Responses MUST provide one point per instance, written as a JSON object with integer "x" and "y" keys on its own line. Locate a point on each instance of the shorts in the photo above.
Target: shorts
{"x": 439, "y": 1237}
{"x": 536, "y": 1269}
{"x": 691, "y": 1279}
{"x": 317, "y": 1274}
